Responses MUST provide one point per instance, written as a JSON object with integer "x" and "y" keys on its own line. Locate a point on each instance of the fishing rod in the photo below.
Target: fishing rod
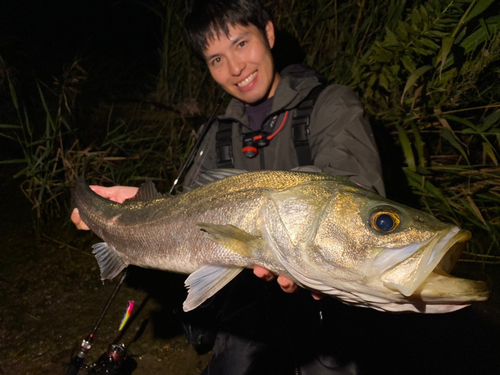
{"x": 116, "y": 359}
{"x": 77, "y": 362}
{"x": 195, "y": 148}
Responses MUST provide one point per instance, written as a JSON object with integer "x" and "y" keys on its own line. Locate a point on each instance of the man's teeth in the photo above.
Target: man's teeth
{"x": 247, "y": 80}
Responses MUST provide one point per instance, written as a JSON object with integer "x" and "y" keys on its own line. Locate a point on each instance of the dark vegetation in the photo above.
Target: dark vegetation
{"x": 113, "y": 80}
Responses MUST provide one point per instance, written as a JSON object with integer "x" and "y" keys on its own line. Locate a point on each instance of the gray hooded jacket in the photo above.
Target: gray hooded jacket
{"x": 340, "y": 137}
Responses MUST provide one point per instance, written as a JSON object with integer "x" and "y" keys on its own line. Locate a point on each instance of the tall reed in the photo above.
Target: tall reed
{"x": 427, "y": 73}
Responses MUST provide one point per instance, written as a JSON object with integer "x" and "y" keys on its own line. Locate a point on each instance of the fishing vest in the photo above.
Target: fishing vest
{"x": 300, "y": 119}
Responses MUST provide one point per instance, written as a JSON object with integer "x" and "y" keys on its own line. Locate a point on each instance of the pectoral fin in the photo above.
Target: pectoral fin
{"x": 109, "y": 262}
{"x": 205, "y": 282}
{"x": 208, "y": 280}
{"x": 233, "y": 238}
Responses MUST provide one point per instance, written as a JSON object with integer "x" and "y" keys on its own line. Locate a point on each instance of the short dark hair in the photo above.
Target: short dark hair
{"x": 211, "y": 18}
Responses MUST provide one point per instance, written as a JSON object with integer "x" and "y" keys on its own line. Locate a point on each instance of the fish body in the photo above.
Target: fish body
{"x": 323, "y": 232}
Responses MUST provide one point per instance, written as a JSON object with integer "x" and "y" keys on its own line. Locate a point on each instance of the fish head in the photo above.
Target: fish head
{"x": 369, "y": 251}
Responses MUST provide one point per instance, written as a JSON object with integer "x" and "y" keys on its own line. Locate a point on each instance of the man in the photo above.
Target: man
{"x": 259, "y": 131}
{"x": 235, "y": 39}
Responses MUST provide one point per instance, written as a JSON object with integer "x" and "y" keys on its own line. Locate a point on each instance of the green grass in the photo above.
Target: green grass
{"x": 427, "y": 73}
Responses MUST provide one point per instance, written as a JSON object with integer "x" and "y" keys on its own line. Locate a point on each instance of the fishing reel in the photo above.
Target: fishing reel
{"x": 114, "y": 362}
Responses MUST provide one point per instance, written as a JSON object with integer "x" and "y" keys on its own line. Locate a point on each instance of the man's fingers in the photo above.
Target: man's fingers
{"x": 262, "y": 273}
{"x": 286, "y": 284}
{"x": 106, "y": 192}
{"x": 115, "y": 193}
{"x": 77, "y": 220}
{"x": 317, "y": 295}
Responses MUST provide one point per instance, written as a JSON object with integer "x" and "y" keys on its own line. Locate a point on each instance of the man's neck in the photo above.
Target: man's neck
{"x": 258, "y": 113}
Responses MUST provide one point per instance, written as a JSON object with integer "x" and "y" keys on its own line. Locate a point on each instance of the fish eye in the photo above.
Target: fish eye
{"x": 384, "y": 221}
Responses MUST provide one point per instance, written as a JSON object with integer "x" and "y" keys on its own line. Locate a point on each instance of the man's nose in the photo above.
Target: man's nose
{"x": 236, "y": 66}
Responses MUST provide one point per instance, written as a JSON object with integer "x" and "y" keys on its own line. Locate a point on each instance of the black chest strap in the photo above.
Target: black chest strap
{"x": 301, "y": 116}
{"x": 223, "y": 144}
{"x": 300, "y": 121}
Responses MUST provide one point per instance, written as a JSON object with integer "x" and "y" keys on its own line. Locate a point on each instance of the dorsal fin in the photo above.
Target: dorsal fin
{"x": 147, "y": 191}
{"x": 207, "y": 177}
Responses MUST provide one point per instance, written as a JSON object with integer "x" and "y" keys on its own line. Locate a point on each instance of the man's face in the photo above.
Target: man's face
{"x": 242, "y": 63}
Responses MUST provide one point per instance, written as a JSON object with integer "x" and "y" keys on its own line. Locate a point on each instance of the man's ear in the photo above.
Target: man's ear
{"x": 271, "y": 37}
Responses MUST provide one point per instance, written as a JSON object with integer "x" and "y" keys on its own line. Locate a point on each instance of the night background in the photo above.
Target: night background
{"x": 115, "y": 81}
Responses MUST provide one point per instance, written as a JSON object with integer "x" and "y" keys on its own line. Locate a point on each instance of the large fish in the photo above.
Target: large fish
{"x": 323, "y": 232}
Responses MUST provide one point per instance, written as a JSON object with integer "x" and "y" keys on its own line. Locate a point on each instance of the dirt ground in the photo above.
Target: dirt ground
{"x": 51, "y": 297}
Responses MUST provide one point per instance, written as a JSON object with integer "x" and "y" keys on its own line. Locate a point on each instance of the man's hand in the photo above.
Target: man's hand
{"x": 284, "y": 282}
{"x": 115, "y": 193}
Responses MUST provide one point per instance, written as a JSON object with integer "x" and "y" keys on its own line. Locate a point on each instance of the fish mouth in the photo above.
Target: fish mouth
{"x": 425, "y": 273}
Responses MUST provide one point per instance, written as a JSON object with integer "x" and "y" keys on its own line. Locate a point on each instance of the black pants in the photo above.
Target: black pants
{"x": 259, "y": 329}
{"x": 234, "y": 355}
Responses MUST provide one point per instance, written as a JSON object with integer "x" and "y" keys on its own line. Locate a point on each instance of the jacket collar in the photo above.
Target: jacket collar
{"x": 289, "y": 93}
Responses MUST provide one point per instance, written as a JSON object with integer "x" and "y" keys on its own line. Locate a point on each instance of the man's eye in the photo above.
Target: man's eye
{"x": 242, "y": 43}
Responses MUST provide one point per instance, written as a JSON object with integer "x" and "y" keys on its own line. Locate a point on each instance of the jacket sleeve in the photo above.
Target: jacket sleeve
{"x": 205, "y": 158}
{"x": 341, "y": 139}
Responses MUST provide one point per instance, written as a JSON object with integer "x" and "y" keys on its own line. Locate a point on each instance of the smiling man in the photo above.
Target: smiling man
{"x": 288, "y": 120}
{"x": 242, "y": 63}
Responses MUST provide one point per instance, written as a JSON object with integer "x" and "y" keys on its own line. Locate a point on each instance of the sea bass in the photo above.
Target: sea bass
{"x": 323, "y": 232}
